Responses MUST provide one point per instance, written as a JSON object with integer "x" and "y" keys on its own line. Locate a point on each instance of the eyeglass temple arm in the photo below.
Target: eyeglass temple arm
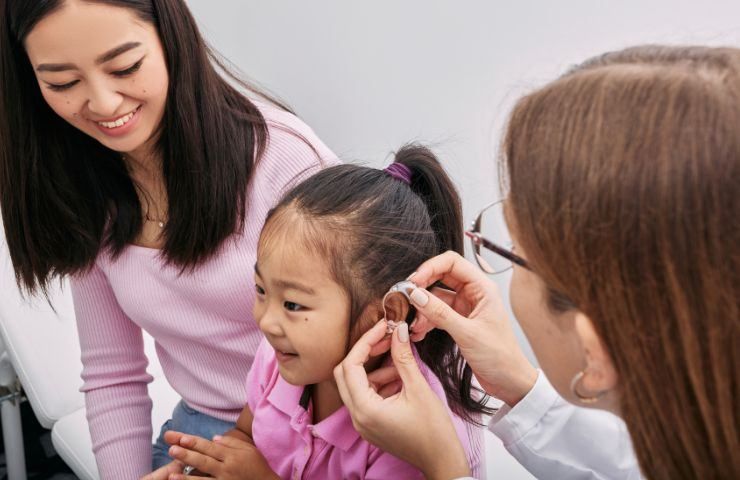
{"x": 479, "y": 239}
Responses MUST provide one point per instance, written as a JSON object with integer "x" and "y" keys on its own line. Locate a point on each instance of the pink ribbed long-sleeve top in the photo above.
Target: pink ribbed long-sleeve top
{"x": 201, "y": 322}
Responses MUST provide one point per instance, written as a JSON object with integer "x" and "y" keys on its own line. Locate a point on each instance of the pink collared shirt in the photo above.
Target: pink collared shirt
{"x": 330, "y": 449}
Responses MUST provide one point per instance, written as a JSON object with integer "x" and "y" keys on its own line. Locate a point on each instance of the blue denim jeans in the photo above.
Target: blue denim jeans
{"x": 187, "y": 420}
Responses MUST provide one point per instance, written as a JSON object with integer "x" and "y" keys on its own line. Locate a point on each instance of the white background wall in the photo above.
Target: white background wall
{"x": 369, "y": 76}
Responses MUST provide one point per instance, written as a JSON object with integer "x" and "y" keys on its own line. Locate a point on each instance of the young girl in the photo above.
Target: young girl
{"x": 328, "y": 253}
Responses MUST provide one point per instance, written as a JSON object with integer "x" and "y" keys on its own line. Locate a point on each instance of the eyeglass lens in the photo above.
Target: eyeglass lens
{"x": 492, "y": 225}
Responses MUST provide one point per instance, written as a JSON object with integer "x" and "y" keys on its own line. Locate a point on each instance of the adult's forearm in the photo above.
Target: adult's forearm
{"x": 121, "y": 430}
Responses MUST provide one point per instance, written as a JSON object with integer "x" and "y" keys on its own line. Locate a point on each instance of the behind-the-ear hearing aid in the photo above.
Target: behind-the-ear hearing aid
{"x": 399, "y": 292}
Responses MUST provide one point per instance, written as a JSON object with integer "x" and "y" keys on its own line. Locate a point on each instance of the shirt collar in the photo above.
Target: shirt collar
{"x": 285, "y": 397}
{"x": 336, "y": 429}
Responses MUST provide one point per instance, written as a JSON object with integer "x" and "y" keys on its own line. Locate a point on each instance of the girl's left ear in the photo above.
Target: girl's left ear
{"x": 396, "y": 307}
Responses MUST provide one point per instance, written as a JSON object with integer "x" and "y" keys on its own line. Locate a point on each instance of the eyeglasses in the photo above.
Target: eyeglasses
{"x": 491, "y": 224}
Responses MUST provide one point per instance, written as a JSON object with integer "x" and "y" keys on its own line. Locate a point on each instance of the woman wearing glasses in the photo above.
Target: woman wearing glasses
{"x": 623, "y": 181}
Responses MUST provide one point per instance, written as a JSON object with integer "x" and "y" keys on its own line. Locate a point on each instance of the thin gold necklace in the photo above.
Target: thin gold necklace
{"x": 161, "y": 222}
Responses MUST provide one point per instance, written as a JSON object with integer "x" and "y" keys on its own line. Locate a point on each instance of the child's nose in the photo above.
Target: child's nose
{"x": 270, "y": 325}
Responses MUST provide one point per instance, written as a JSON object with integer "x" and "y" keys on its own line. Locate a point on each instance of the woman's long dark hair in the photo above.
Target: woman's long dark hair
{"x": 64, "y": 196}
{"x": 375, "y": 230}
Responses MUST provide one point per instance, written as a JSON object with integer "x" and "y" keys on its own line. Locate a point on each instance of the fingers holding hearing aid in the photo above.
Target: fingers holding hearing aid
{"x": 421, "y": 324}
{"x": 403, "y": 358}
{"x": 478, "y": 322}
{"x": 383, "y": 414}
{"x": 350, "y": 375}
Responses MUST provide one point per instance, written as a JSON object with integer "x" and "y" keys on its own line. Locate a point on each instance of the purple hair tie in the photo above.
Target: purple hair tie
{"x": 400, "y": 172}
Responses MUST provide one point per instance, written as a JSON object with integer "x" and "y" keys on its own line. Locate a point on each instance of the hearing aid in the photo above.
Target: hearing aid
{"x": 400, "y": 289}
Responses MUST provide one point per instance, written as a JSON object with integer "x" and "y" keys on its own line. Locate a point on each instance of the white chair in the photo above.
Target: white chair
{"x": 43, "y": 349}
{"x": 11, "y": 418}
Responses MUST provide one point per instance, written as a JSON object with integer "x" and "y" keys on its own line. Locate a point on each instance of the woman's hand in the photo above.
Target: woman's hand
{"x": 412, "y": 424}
{"x": 475, "y": 317}
{"x": 225, "y": 458}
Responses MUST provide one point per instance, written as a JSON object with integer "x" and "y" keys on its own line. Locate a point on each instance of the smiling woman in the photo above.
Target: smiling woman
{"x": 129, "y": 164}
{"x": 116, "y": 97}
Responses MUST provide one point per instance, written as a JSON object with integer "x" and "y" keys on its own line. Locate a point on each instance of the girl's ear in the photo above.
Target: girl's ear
{"x": 396, "y": 307}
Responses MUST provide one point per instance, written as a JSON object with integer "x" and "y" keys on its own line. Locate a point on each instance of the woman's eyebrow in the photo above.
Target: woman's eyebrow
{"x": 114, "y": 52}
{"x": 106, "y": 57}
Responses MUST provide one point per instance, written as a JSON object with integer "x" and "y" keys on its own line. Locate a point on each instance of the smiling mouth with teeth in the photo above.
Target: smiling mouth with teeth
{"x": 121, "y": 121}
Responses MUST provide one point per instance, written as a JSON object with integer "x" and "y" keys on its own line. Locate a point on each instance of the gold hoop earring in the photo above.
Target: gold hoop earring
{"x": 583, "y": 399}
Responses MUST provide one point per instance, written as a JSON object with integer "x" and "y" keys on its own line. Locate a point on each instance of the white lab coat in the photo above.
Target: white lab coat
{"x": 555, "y": 440}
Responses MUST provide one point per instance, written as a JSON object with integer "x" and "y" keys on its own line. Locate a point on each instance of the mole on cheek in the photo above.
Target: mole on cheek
{"x": 305, "y": 319}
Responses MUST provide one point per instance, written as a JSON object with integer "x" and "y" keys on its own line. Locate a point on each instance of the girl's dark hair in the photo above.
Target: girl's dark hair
{"x": 65, "y": 196}
{"x": 375, "y": 230}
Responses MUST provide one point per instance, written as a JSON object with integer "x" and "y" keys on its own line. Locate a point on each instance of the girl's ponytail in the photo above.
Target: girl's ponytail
{"x": 430, "y": 181}
{"x": 439, "y": 352}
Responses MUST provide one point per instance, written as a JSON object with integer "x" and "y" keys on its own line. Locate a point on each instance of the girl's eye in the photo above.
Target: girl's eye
{"x": 129, "y": 70}
{"x": 65, "y": 86}
{"x": 292, "y": 306}
{"x": 260, "y": 290}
